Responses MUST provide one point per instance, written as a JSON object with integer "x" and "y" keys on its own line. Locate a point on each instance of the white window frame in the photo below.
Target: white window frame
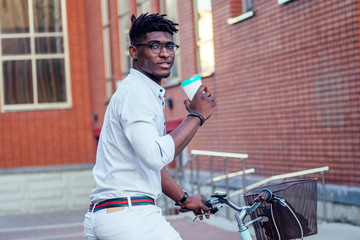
{"x": 202, "y": 72}
{"x": 247, "y": 10}
{"x": 142, "y": 6}
{"x": 107, "y": 48}
{"x": 283, "y": 1}
{"x": 33, "y": 57}
{"x": 173, "y": 81}
{"x": 123, "y": 29}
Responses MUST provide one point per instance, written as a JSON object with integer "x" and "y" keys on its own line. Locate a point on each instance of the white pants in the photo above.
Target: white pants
{"x": 135, "y": 223}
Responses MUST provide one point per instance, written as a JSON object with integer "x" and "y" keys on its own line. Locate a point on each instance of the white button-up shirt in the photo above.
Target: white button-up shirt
{"x": 133, "y": 147}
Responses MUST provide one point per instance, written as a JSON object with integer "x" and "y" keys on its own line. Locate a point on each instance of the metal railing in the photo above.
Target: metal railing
{"x": 320, "y": 170}
{"x": 243, "y": 173}
{"x": 281, "y": 177}
{"x": 226, "y": 176}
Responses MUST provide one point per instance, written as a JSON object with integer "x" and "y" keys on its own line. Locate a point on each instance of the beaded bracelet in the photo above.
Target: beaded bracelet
{"x": 195, "y": 114}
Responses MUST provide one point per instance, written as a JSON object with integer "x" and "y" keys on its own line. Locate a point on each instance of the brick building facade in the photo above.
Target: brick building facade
{"x": 287, "y": 87}
{"x": 51, "y": 135}
{"x": 286, "y": 79}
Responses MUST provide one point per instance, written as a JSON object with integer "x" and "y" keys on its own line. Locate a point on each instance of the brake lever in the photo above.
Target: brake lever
{"x": 213, "y": 210}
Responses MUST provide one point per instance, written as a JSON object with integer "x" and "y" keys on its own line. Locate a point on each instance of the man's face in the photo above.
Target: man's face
{"x": 154, "y": 65}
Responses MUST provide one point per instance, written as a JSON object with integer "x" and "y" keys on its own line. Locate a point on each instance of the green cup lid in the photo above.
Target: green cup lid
{"x": 190, "y": 80}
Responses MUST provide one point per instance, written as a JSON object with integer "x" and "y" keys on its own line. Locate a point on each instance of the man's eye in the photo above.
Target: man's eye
{"x": 155, "y": 46}
{"x": 170, "y": 47}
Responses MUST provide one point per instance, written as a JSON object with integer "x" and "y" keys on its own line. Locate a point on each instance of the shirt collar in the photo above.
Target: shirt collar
{"x": 156, "y": 88}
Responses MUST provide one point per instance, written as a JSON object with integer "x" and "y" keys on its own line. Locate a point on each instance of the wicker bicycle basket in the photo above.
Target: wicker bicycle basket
{"x": 301, "y": 198}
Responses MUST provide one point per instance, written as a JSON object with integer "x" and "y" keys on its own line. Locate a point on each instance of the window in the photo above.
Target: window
{"x": 107, "y": 48}
{"x": 170, "y": 8}
{"x": 205, "y": 42}
{"x": 124, "y": 27}
{"x": 283, "y": 1}
{"x": 143, "y": 6}
{"x": 247, "y": 5}
{"x": 241, "y": 10}
{"x": 34, "y": 60}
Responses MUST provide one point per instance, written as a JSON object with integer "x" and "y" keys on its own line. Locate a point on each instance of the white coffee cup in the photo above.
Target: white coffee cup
{"x": 191, "y": 86}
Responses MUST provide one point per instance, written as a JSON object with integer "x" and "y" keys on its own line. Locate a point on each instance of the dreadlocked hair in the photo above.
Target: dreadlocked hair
{"x": 146, "y": 23}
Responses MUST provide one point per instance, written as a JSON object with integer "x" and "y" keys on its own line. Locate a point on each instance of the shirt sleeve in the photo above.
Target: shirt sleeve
{"x": 138, "y": 120}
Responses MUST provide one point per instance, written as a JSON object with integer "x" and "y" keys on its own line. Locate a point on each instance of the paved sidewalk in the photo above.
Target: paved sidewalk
{"x": 67, "y": 225}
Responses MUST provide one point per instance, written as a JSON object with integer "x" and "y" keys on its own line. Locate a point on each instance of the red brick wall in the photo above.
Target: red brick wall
{"x": 287, "y": 86}
{"x": 95, "y": 61}
{"x": 235, "y": 8}
{"x": 52, "y": 137}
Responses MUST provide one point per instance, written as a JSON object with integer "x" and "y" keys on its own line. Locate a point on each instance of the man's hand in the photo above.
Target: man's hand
{"x": 202, "y": 103}
{"x": 196, "y": 204}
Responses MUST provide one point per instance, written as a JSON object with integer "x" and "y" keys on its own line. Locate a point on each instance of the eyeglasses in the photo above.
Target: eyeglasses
{"x": 156, "y": 47}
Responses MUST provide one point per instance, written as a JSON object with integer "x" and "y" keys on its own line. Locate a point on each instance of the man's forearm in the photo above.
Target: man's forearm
{"x": 175, "y": 192}
{"x": 183, "y": 134}
{"x": 169, "y": 187}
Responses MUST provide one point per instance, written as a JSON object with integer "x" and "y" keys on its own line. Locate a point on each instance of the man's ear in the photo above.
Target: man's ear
{"x": 133, "y": 52}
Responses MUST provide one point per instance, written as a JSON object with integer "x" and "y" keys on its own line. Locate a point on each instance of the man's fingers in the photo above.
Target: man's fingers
{"x": 204, "y": 208}
{"x": 202, "y": 89}
{"x": 184, "y": 210}
{"x": 187, "y": 104}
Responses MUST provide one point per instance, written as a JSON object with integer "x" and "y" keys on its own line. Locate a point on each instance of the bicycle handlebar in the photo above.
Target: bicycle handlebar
{"x": 219, "y": 198}
{"x": 265, "y": 195}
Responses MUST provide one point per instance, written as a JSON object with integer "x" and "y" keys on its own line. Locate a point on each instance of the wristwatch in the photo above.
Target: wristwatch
{"x": 181, "y": 202}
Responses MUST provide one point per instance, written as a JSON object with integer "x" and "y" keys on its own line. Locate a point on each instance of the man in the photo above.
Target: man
{"x": 133, "y": 148}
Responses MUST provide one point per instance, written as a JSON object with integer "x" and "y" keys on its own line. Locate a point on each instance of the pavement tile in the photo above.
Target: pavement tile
{"x": 67, "y": 225}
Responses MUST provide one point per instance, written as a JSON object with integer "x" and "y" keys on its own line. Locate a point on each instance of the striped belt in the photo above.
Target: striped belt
{"x": 121, "y": 202}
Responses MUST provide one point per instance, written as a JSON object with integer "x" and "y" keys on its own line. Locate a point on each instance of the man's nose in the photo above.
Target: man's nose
{"x": 164, "y": 52}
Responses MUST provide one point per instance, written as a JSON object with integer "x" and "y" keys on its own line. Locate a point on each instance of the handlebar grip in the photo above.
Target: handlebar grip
{"x": 264, "y": 195}
{"x": 267, "y": 194}
{"x": 213, "y": 209}
{"x": 208, "y": 203}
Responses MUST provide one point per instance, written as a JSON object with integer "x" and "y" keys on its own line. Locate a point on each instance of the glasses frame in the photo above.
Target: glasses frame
{"x": 150, "y": 45}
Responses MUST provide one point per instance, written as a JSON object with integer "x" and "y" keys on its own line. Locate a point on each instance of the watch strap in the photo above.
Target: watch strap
{"x": 186, "y": 195}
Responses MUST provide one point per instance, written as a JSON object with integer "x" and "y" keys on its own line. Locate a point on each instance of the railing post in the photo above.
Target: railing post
{"x": 197, "y": 174}
{"x": 212, "y": 175}
{"x": 324, "y": 195}
{"x": 167, "y": 206}
{"x": 180, "y": 171}
{"x": 226, "y": 170}
{"x": 243, "y": 177}
{"x": 191, "y": 173}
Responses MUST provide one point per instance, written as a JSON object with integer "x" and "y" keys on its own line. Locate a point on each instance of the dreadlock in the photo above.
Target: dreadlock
{"x": 146, "y": 23}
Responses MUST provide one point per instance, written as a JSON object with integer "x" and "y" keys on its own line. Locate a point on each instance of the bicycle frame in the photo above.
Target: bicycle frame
{"x": 240, "y": 218}
{"x": 245, "y": 235}
{"x": 219, "y": 198}
{"x": 240, "y": 215}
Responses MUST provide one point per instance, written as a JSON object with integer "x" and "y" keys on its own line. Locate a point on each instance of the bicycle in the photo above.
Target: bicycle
{"x": 218, "y": 200}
